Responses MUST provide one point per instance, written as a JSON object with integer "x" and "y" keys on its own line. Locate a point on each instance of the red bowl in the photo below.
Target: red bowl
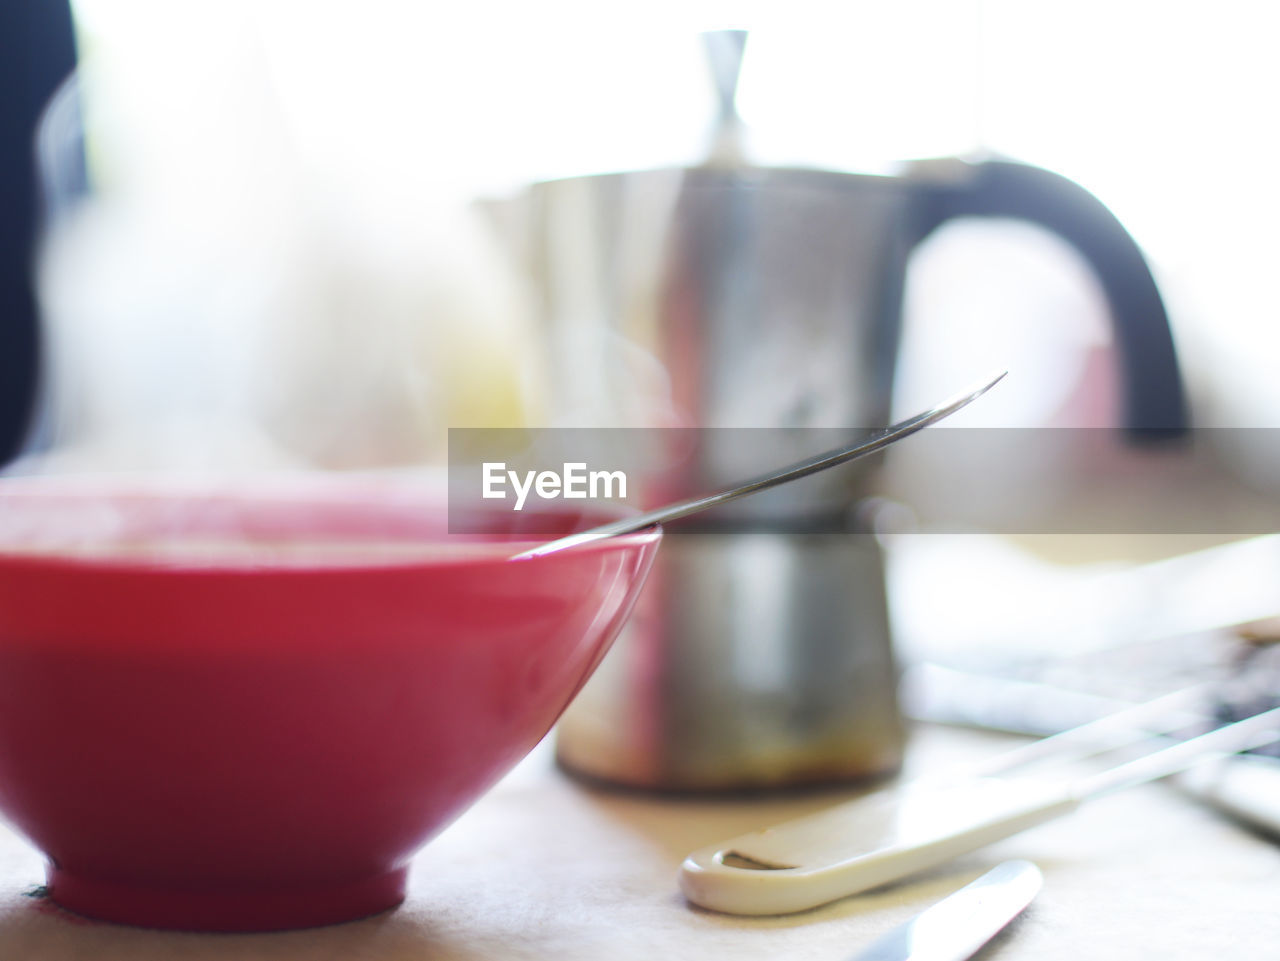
{"x": 247, "y": 711}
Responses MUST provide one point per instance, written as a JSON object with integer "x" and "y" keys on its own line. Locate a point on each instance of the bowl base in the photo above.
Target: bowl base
{"x": 225, "y": 910}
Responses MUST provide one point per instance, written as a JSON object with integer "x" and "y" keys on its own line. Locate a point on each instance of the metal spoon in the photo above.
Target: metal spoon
{"x": 956, "y": 927}
{"x": 810, "y": 465}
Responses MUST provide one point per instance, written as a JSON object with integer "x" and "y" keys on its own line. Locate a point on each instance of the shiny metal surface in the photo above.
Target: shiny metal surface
{"x": 752, "y": 660}
{"x": 959, "y": 925}
{"x": 767, "y": 298}
{"x": 724, "y": 49}
{"x": 776, "y": 478}
{"x": 751, "y": 298}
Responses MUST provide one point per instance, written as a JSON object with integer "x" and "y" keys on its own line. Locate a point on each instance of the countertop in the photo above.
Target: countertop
{"x": 545, "y": 867}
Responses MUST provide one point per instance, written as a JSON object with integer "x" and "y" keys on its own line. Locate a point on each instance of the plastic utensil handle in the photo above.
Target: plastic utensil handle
{"x": 863, "y": 844}
{"x": 890, "y": 834}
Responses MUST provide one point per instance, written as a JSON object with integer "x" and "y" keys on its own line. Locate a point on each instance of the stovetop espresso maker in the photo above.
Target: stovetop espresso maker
{"x": 760, "y": 654}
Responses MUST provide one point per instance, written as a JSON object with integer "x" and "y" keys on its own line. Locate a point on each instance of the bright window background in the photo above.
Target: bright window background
{"x": 1165, "y": 110}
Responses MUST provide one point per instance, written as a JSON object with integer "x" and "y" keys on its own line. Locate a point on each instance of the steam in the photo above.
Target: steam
{"x": 280, "y": 272}
{"x": 226, "y": 302}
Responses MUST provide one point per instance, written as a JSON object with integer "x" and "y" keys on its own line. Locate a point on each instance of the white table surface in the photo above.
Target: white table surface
{"x": 543, "y": 867}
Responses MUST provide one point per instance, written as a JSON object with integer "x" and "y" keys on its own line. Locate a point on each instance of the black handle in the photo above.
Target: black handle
{"x": 36, "y": 52}
{"x": 1155, "y": 405}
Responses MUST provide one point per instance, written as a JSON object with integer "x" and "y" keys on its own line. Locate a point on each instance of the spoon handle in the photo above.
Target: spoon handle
{"x": 810, "y": 465}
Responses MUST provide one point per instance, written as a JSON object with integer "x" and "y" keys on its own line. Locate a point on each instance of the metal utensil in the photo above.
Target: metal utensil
{"x": 810, "y": 465}
{"x": 961, "y": 923}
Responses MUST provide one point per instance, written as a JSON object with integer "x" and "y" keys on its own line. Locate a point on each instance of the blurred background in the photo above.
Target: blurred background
{"x": 281, "y": 260}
